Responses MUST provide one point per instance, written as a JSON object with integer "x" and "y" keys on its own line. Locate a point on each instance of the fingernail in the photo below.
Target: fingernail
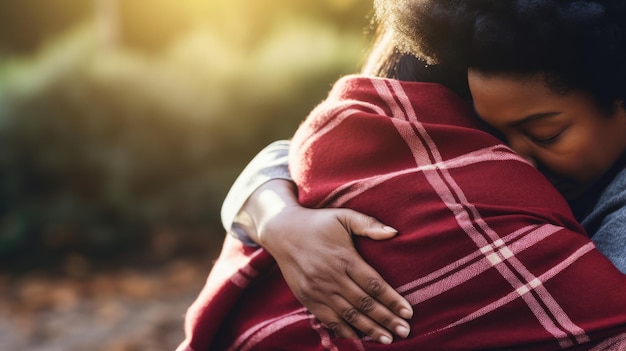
{"x": 402, "y": 331}
{"x": 406, "y": 313}
{"x": 385, "y": 340}
{"x": 389, "y": 229}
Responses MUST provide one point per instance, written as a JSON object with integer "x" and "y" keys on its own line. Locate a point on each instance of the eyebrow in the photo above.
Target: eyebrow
{"x": 534, "y": 117}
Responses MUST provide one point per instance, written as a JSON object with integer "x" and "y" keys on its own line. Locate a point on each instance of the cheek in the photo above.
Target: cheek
{"x": 568, "y": 166}
{"x": 579, "y": 157}
{"x": 610, "y": 144}
{"x": 588, "y": 157}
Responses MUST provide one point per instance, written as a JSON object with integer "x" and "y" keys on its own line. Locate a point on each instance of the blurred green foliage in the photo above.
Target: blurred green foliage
{"x": 102, "y": 150}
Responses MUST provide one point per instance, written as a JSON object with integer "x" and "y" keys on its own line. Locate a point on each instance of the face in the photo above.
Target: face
{"x": 566, "y": 136}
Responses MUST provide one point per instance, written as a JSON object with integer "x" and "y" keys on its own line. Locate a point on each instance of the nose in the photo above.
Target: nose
{"x": 521, "y": 147}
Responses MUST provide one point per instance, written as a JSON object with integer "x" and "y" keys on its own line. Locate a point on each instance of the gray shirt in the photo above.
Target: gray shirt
{"x": 606, "y": 223}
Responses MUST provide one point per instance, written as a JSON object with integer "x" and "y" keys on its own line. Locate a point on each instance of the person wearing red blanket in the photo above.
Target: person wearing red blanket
{"x": 331, "y": 279}
{"x": 487, "y": 265}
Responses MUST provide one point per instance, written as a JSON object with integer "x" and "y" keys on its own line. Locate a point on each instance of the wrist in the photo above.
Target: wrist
{"x": 265, "y": 206}
{"x": 276, "y": 233}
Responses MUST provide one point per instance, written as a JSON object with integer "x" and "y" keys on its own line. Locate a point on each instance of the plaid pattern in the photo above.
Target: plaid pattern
{"x": 488, "y": 253}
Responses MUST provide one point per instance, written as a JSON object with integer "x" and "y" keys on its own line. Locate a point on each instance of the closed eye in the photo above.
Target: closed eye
{"x": 545, "y": 140}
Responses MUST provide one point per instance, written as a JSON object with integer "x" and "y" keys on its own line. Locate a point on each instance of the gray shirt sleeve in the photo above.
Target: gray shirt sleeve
{"x": 270, "y": 163}
{"x": 606, "y": 224}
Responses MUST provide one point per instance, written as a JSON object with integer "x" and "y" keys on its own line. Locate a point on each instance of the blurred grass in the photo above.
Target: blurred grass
{"x": 110, "y": 152}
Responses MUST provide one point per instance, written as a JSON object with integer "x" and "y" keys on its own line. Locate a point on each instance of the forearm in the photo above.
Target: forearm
{"x": 270, "y": 163}
{"x": 265, "y": 203}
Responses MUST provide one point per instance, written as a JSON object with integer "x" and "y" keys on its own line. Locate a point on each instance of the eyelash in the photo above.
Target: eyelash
{"x": 546, "y": 141}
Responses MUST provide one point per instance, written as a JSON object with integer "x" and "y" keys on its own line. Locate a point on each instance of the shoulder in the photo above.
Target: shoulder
{"x": 610, "y": 210}
{"x": 615, "y": 193}
{"x": 607, "y": 223}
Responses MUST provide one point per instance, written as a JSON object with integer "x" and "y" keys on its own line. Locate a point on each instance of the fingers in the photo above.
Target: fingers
{"x": 384, "y": 293}
{"x": 377, "y": 301}
{"x": 333, "y": 321}
{"x": 364, "y": 309}
{"x": 367, "y": 226}
{"x": 390, "y": 308}
{"x": 349, "y": 304}
{"x": 351, "y": 316}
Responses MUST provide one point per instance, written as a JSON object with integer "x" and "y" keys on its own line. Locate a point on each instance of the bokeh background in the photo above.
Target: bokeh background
{"x": 122, "y": 125}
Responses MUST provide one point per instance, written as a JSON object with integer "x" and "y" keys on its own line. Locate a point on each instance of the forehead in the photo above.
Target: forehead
{"x": 502, "y": 84}
{"x": 510, "y": 96}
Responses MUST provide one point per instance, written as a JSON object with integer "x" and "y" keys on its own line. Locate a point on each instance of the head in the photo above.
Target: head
{"x": 569, "y": 136}
{"x": 563, "y": 59}
{"x": 387, "y": 60}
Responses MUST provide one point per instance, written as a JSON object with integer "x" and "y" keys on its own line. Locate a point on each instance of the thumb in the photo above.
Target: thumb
{"x": 367, "y": 226}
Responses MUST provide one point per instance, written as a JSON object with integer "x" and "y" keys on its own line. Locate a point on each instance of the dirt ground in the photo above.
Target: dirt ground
{"x": 115, "y": 309}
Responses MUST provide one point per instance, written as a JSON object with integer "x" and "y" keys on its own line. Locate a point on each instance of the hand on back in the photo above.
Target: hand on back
{"x": 317, "y": 258}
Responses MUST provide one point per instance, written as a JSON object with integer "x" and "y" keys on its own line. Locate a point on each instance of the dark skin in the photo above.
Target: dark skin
{"x": 331, "y": 280}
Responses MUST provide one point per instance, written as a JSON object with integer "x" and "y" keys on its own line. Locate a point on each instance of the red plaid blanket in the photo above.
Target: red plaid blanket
{"x": 488, "y": 253}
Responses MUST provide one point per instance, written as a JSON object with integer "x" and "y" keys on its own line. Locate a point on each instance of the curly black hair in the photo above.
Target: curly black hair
{"x": 575, "y": 44}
